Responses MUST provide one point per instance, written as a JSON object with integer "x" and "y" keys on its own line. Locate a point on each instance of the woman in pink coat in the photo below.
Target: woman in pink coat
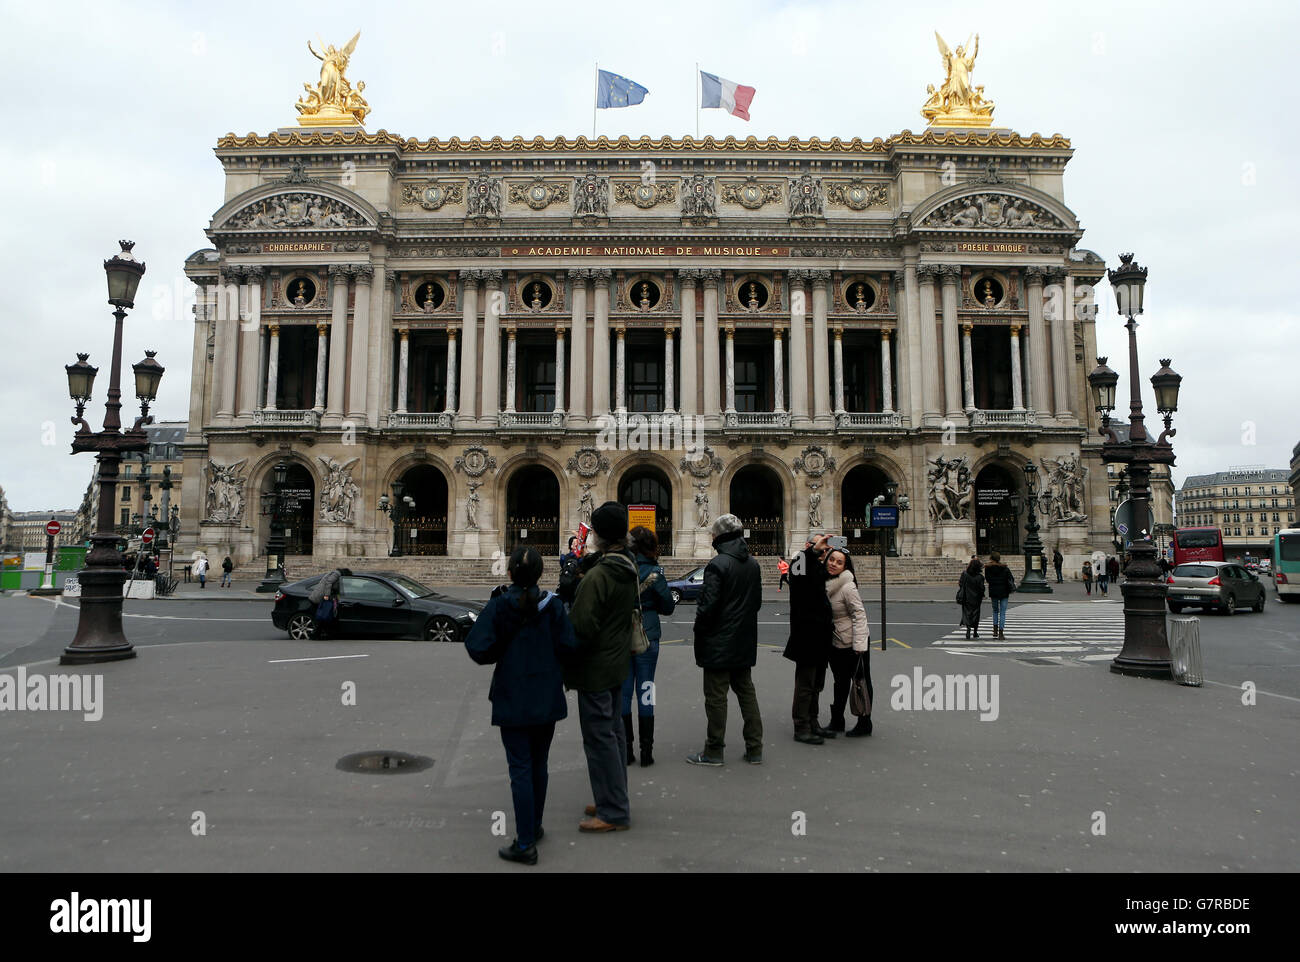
{"x": 852, "y": 639}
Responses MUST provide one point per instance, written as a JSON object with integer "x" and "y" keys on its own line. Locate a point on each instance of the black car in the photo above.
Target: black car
{"x": 377, "y": 603}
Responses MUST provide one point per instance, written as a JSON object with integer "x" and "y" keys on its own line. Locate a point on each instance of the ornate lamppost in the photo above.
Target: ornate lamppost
{"x": 1121, "y": 495}
{"x": 1146, "y": 642}
{"x": 164, "y": 528}
{"x": 99, "y": 634}
{"x": 1034, "y": 581}
{"x": 273, "y": 505}
{"x": 398, "y": 509}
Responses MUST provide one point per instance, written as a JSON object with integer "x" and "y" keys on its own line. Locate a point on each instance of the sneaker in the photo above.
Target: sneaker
{"x": 699, "y": 758}
{"x": 513, "y": 853}
{"x": 754, "y": 758}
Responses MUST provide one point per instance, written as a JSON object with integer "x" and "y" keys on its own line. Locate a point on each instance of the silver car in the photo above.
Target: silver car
{"x": 1224, "y": 585}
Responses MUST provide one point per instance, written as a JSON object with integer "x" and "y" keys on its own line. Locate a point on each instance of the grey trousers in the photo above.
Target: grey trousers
{"x": 605, "y": 743}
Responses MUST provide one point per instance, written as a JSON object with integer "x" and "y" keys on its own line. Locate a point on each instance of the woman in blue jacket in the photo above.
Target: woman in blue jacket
{"x": 525, "y": 633}
{"x": 656, "y": 600}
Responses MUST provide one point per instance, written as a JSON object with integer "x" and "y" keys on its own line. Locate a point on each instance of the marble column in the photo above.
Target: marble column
{"x": 199, "y": 355}
{"x": 467, "y": 411}
{"x": 273, "y": 367}
{"x": 580, "y": 363}
{"x": 600, "y": 344}
{"x": 1017, "y": 399}
{"x": 821, "y": 361}
{"x": 951, "y": 343}
{"x": 799, "y": 349}
{"x": 668, "y": 370}
{"x": 559, "y": 371}
{"x": 224, "y": 347}
{"x": 403, "y": 369}
{"x": 778, "y": 371}
{"x": 379, "y": 362}
{"x": 322, "y": 351}
{"x": 250, "y": 333}
{"x": 968, "y": 373}
{"x": 491, "y": 393}
{"x": 886, "y": 372}
{"x": 712, "y": 277}
{"x": 913, "y": 372}
{"x": 360, "y": 344}
{"x": 731, "y": 370}
{"x": 620, "y": 370}
{"x": 1062, "y": 345}
{"x": 1076, "y": 404}
{"x": 1037, "y": 341}
{"x": 926, "y": 274}
{"x": 690, "y": 376}
{"x": 839, "y": 370}
{"x": 338, "y": 344}
{"x": 450, "y": 404}
{"x": 511, "y": 370}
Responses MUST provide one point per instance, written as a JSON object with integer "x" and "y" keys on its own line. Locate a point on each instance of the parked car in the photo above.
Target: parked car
{"x": 377, "y": 603}
{"x": 687, "y": 587}
{"x": 1224, "y": 585}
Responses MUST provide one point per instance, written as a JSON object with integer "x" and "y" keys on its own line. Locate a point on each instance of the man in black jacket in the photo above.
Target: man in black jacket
{"x": 811, "y": 631}
{"x": 726, "y": 640}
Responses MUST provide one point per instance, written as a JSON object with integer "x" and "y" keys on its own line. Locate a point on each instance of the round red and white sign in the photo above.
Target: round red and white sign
{"x": 53, "y": 528}
{"x": 147, "y": 536}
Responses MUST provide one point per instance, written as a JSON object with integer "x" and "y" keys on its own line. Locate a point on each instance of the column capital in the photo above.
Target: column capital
{"x": 363, "y": 273}
{"x": 819, "y": 276}
{"x": 580, "y": 274}
{"x": 669, "y": 329}
{"x": 229, "y": 275}
{"x": 491, "y": 276}
{"x": 254, "y": 275}
{"x": 951, "y": 273}
{"x": 731, "y": 331}
{"x": 928, "y": 271}
{"x": 1034, "y": 275}
{"x": 339, "y": 272}
{"x": 967, "y": 328}
{"x": 620, "y": 331}
{"x": 776, "y": 333}
{"x": 838, "y": 331}
{"x": 322, "y": 327}
{"x": 404, "y": 332}
{"x": 800, "y": 275}
{"x": 274, "y": 329}
{"x": 451, "y": 334}
{"x": 711, "y": 275}
{"x": 559, "y": 332}
{"x": 1054, "y": 275}
{"x": 688, "y": 276}
{"x": 886, "y": 333}
{"x": 510, "y": 333}
{"x": 601, "y": 276}
{"x": 1015, "y": 330}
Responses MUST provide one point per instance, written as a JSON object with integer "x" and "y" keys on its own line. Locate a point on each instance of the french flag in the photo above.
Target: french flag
{"x": 732, "y": 97}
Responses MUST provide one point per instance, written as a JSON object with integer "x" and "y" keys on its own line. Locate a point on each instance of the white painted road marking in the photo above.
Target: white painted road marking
{"x": 285, "y": 661}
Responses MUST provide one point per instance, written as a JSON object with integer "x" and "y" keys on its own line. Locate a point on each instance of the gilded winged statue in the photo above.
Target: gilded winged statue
{"x": 958, "y": 102}
{"x": 333, "y": 101}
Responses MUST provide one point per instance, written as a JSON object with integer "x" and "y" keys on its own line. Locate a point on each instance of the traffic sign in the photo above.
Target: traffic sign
{"x": 147, "y": 536}
{"x": 53, "y": 528}
{"x": 884, "y": 516}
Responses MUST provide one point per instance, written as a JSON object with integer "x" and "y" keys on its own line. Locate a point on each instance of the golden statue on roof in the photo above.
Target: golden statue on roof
{"x": 957, "y": 103}
{"x": 333, "y": 102}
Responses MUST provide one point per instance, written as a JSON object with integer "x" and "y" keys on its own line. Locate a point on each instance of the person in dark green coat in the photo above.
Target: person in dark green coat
{"x": 603, "y": 608}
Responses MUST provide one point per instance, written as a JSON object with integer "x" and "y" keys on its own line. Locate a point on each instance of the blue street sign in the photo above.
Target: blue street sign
{"x": 884, "y": 516}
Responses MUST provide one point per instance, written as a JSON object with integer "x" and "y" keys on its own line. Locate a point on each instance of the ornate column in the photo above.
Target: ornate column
{"x": 951, "y": 350}
{"x": 559, "y": 370}
{"x": 799, "y": 349}
{"x": 338, "y": 343}
{"x": 1017, "y": 399}
{"x": 511, "y": 370}
{"x": 250, "y": 333}
{"x": 322, "y": 349}
{"x": 821, "y": 362}
{"x": 273, "y": 367}
{"x": 578, "y": 387}
{"x": 690, "y": 377}
{"x": 450, "y": 404}
{"x": 886, "y": 372}
{"x": 468, "y": 347}
{"x": 731, "y": 369}
{"x": 491, "y": 392}
{"x": 1062, "y": 342}
{"x": 360, "y": 344}
{"x": 1037, "y": 341}
{"x": 668, "y": 369}
{"x": 913, "y": 374}
{"x": 403, "y": 368}
{"x": 620, "y": 370}
{"x": 839, "y": 370}
{"x": 929, "y": 351}
{"x": 379, "y": 363}
{"x": 778, "y": 371}
{"x": 199, "y": 355}
{"x": 968, "y": 374}
{"x": 600, "y": 344}
{"x": 711, "y": 277}
{"x": 224, "y": 348}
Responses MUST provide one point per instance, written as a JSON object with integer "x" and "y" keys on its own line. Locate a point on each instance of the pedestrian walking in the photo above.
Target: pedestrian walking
{"x": 200, "y": 569}
{"x": 325, "y": 596}
{"x": 227, "y": 566}
{"x": 783, "y": 567}
{"x": 970, "y": 593}
{"x": 603, "y": 606}
{"x": 1165, "y": 566}
{"x": 656, "y": 600}
{"x": 726, "y": 641}
{"x": 1099, "y": 572}
{"x": 1000, "y": 583}
{"x": 1087, "y": 577}
{"x": 809, "y": 644}
{"x": 1057, "y": 562}
{"x": 1112, "y": 569}
{"x": 525, "y": 633}
{"x": 850, "y": 642}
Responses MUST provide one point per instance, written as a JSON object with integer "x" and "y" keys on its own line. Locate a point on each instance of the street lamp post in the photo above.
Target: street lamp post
{"x": 1121, "y": 495}
{"x": 398, "y": 509}
{"x": 1146, "y": 641}
{"x": 273, "y": 505}
{"x": 1034, "y": 581}
{"x": 164, "y": 527}
{"x": 99, "y": 634}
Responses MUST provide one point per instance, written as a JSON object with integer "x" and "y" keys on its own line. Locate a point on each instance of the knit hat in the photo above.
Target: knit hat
{"x": 609, "y": 521}
{"x": 727, "y": 524}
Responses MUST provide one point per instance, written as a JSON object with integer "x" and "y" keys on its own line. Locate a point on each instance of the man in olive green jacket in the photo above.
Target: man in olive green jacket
{"x": 606, "y": 599}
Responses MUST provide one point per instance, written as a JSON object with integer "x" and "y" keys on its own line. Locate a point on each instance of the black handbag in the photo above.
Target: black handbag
{"x": 859, "y": 696}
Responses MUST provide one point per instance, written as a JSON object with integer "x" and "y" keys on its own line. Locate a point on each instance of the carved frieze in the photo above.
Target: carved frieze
{"x": 475, "y": 461}
{"x": 813, "y": 461}
{"x": 484, "y": 197}
{"x": 588, "y": 463}
{"x": 699, "y": 197}
{"x": 805, "y": 199}
{"x": 703, "y": 462}
{"x": 644, "y": 195}
{"x": 432, "y": 194}
{"x": 297, "y": 209}
{"x": 993, "y": 210}
{"x": 591, "y": 196}
{"x": 750, "y": 193}
{"x": 856, "y": 194}
{"x": 538, "y": 193}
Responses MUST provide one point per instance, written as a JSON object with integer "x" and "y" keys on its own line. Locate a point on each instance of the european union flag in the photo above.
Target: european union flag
{"x": 615, "y": 91}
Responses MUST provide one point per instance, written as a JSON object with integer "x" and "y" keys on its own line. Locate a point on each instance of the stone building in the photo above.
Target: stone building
{"x": 27, "y": 529}
{"x": 139, "y": 492}
{"x": 1249, "y": 505}
{"x": 513, "y": 331}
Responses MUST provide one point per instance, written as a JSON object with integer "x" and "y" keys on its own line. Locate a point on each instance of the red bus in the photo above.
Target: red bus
{"x": 1197, "y": 544}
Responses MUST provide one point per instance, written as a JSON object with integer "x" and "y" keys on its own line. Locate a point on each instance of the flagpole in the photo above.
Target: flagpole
{"x": 697, "y": 100}
{"x": 595, "y": 99}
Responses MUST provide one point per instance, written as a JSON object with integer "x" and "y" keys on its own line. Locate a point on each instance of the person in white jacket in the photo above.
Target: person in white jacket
{"x": 852, "y": 640}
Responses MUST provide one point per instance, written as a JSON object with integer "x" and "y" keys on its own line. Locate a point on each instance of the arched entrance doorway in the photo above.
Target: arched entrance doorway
{"x": 997, "y": 521}
{"x": 646, "y": 484}
{"x": 757, "y": 498}
{"x": 423, "y": 530}
{"x": 861, "y": 486}
{"x": 298, "y": 508}
{"x": 533, "y": 510}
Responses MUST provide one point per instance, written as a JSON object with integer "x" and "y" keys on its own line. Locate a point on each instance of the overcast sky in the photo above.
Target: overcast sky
{"x": 1185, "y": 152}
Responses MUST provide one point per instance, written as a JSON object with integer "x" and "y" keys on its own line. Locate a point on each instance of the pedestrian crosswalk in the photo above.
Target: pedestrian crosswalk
{"x": 1056, "y": 633}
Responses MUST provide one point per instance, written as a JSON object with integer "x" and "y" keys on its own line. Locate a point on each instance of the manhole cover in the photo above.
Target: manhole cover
{"x": 383, "y": 763}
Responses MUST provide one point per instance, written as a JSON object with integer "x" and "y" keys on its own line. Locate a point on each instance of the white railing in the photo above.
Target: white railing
{"x": 308, "y": 418}
{"x": 530, "y": 419}
{"x": 1022, "y": 418}
{"x": 758, "y": 419}
{"x": 408, "y": 419}
{"x": 849, "y": 419}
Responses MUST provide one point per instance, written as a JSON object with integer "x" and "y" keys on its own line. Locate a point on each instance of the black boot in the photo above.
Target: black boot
{"x": 837, "y": 720}
{"x": 647, "y": 723}
{"x": 863, "y": 727}
{"x": 627, "y": 730}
